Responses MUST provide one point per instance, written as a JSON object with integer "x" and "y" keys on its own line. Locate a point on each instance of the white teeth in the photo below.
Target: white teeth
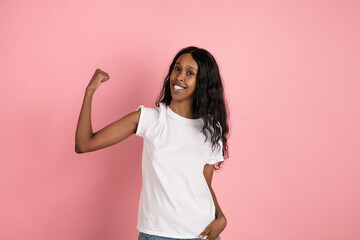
{"x": 177, "y": 87}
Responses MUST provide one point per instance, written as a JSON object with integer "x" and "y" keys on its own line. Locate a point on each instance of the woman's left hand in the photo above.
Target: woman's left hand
{"x": 214, "y": 229}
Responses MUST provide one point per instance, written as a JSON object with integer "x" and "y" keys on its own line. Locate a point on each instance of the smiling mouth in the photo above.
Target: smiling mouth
{"x": 178, "y": 88}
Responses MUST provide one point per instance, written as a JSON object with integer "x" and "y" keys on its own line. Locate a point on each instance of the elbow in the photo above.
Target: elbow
{"x": 78, "y": 150}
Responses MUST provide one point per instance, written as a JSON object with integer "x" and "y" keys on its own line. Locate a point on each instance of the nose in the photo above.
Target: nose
{"x": 180, "y": 76}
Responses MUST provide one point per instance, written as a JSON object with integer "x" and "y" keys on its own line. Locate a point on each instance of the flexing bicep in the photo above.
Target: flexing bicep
{"x": 113, "y": 133}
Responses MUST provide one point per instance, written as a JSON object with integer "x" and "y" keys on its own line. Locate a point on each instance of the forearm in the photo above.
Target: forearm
{"x": 84, "y": 130}
{"x": 218, "y": 212}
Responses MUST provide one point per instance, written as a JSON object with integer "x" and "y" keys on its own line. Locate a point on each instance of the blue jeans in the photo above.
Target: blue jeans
{"x": 145, "y": 236}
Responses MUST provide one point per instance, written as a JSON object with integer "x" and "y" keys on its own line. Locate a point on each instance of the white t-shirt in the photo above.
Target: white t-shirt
{"x": 175, "y": 200}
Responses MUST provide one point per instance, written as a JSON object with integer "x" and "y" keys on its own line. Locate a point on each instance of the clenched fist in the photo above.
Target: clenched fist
{"x": 98, "y": 77}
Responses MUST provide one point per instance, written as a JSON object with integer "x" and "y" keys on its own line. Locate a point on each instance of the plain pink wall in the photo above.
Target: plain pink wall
{"x": 291, "y": 76}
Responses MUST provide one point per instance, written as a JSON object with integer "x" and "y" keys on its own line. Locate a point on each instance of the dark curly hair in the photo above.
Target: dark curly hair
{"x": 209, "y": 101}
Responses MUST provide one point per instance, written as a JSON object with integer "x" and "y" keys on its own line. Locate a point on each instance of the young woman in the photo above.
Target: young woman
{"x": 185, "y": 137}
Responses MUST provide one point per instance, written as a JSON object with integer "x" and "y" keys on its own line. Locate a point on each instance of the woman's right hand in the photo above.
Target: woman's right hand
{"x": 98, "y": 77}
{"x": 85, "y": 139}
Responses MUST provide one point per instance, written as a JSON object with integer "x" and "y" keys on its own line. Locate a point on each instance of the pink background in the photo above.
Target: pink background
{"x": 291, "y": 77}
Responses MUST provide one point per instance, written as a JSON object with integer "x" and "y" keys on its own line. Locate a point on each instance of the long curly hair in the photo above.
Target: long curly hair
{"x": 209, "y": 101}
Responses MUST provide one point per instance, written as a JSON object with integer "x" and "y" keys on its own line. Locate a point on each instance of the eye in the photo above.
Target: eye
{"x": 190, "y": 73}
{"x": 176, "y": 69}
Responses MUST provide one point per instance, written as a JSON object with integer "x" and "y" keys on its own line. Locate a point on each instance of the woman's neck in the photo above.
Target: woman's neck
{"x": 184, "y": 109}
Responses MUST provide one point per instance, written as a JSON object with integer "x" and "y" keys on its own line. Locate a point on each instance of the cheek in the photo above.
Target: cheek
{"x": 172, "y": 75}
{"x": 192, "y": 83}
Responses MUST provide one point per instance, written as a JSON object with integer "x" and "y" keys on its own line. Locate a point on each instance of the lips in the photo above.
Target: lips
{"x": 178, "y": 90}
{"x": 179, "y": 85}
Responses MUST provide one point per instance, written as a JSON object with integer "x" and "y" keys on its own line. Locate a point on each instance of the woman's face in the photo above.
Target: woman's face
{"x": 184, "y": 75}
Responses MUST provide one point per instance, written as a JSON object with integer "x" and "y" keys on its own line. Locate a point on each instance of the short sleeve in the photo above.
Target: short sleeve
{"x": 140, "y": 127}
{"x": 148, "y": 118}
{"x": 216, "y": 155}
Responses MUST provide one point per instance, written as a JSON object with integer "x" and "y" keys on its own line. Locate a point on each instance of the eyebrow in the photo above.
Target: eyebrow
{"x": 188, "y": 65}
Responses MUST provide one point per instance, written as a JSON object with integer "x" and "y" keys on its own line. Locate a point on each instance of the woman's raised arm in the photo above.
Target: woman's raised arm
{"x": 85, "y": 139}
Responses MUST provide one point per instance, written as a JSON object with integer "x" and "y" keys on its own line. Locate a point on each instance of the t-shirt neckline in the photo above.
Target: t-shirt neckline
{"x": 181, "y": 118}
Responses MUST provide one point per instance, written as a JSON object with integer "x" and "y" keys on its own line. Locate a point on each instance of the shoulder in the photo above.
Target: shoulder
{"x": 148, "y": 116}
{"x": 150, "y": 112}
